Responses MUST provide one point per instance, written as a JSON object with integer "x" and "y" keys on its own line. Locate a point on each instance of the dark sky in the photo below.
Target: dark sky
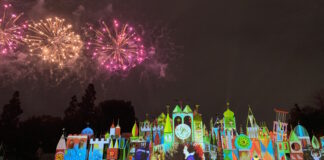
{"x": 264, "y": 53}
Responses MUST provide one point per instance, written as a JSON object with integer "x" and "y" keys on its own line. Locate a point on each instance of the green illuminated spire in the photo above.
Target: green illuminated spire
{"x": 167, "y": 127}
{"x": 134, "y": 130}
{"x": 177, "y": 109}
{"x": 293, "y": 137}
{"x": 229, "y": 119}
{"x": 315, "y": 143}
{"x": 228, "y": 113}
{"x": 187, "y": 109}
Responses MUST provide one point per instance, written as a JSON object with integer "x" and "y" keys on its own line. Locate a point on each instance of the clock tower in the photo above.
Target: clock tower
{"x": 182, "y": 124}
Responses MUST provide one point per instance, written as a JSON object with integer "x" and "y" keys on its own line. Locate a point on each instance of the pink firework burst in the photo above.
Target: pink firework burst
{"x": 116, "y": 48}
{"x": 11, "y": 32}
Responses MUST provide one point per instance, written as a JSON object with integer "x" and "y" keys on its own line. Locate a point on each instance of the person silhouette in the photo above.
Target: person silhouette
{"x": 188, "y": 156}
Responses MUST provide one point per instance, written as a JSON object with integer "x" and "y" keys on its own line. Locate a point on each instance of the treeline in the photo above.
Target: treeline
{"x": 36, "y": 135}
{"x": 310, "y": 116}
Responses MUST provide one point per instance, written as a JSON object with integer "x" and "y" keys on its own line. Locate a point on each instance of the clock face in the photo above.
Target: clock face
{"x": 243, "y": 142}
{"x": 182, "y": 131}
{"x": 59, "y": 156}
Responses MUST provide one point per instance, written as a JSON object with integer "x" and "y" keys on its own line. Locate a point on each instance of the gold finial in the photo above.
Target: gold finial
{"x": 227, "y": 104}
{"x": 197, "y": 107}
{"x": 241, "y": 129}
{"x": 146, "y": 115}
{"x": 168, "y": 108}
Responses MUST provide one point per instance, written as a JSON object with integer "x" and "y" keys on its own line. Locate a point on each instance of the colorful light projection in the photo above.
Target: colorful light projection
{"x": 159, "y": 137}
{"x": 76, "y": 147}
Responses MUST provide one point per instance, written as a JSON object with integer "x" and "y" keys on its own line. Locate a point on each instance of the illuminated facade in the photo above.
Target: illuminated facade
{"x": 154, "y": 138}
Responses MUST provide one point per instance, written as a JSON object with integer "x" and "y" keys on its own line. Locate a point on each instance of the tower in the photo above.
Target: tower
{"x": 76, "y": 147}
{"x": 112, "y": 130}
{"x": 229, "y": 119}
{"x": 252, "y": 130}
{"x": 88, "y": 131}
{"x": 96, "y": 150}
{"x": 280, "y": 132}
{"x": 228, "y": 133}
{"x": 251, "y": 125}
{"x": 303, "y": 136}
{"x": 135, "y": 130}
{"x": 280, "y": 125}
{"x": 182, "y": 124}
{"x": 243, "y": 144}
{"x": 296, "y": 152}
{"x": 266, "y": 144}
{"x": 316, "y": 153}
{"x": 229, "y": 128}
{"x": 167, "y": 132}
{"x": 60, "y": 148}
{"x": 198, "y": 128}
{"x": 117, "y": 130}
{"x": 145, "y": 128}
{"x": 112, "y": 151}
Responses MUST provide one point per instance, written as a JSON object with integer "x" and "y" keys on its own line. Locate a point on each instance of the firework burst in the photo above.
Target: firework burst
{"x": 116, "y": 48}
{"x": 54, "y": 41}
{"x": 11, "y": 33}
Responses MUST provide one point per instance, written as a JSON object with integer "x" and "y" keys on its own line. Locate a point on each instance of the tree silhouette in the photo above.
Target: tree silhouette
{"x": 114, "y": 110}
{"x": 72, "y": 110}
{"x": 71, "y": 115}
{"x": 9, "y": 124}
{"x": 310, "y": 117}
{"x": 87, "y": 104}
{"x": 38, "y": 133}
{"x": 11, "y": 112}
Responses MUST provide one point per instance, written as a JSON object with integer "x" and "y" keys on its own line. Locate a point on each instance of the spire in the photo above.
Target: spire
{"x": 177, "y": 109}
{"x": 241, "y": 129}
{"x": 113, "y": 124}
{"x": 167, "y": 127}
{"x": 134, "y": 130}
{"x": 187, "y": 109}
{"x": 116, "y": 144}
{"x": 293, "y": 137}
{"x": 168, "y": 108}
{"x": 228, "y": 112}
{"x": 61, "y": 144}
{"x": 250, "y": 119}
{"x": 118, "y": 124}
{"x": 117, "y": 129}
{"x": 63, "y": 132}
{"x": 196, "y": 110}
{"x": 227, "y": 104}
{"x": 111, "y": 145}
{"x": 315, "y": 143}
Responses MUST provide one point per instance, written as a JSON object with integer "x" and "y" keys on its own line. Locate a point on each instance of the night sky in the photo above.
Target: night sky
{"x": 263, "y": 53}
